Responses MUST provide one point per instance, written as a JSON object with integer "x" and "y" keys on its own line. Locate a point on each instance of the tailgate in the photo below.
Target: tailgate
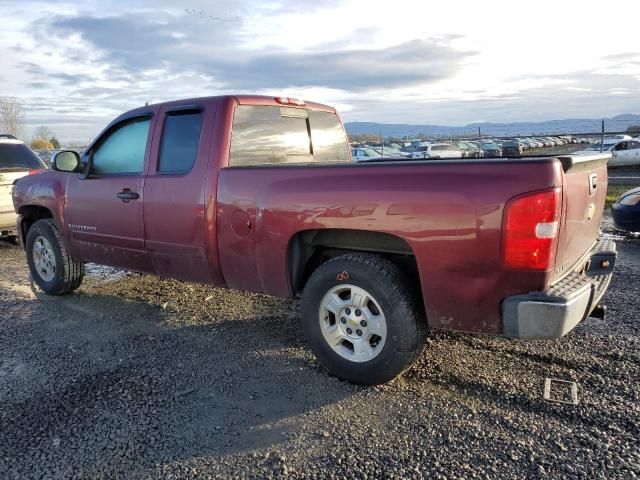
{"x": 584, "y": 192}
{"x": 7, "y": 177}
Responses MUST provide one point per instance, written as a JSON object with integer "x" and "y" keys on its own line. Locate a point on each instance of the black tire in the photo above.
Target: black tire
{"x": 399, "y": 301}
{"x": 12, "y": 239}
{"x": 68, "y": 271}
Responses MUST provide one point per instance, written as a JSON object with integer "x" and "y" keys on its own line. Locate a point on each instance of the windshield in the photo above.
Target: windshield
{"x": 605, "y": 148}
{"x": 17, "y": 156}
{"x": 370, "y": 151}
{"x": 387, "y": 150}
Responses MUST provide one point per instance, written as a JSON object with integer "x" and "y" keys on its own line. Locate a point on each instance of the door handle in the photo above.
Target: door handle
{"x": 127, "y": 195}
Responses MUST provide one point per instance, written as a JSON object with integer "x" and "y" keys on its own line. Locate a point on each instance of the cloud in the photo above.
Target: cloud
{"x": 625, "y": 56}
{"x": 407, "y": 64}
{"x": 78, "y": 64}
{"x": 583, "y": 94}
{"x": 134, "y": 43}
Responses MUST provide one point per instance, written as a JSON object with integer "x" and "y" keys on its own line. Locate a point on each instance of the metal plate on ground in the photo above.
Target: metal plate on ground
{"x": 560, "y": 391}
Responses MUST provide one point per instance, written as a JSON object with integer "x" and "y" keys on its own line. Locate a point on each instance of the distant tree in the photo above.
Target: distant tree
{"x": 41, "y": 144}
{"x": 54, "y": 141}
{"x": 43, "y": 133}
{"x": 11, "y": 116}
{"x": 633, "y": 129}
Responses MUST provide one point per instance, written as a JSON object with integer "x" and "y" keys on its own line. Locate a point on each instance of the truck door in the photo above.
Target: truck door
{"x": 103, "y": 211}
{"x": 621, "y": 154}
{"x": 634, "y": 149}
{"x": 175, "y": 207}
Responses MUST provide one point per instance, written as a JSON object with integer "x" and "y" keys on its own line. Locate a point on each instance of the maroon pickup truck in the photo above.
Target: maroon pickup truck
{"x": 260, "y": 194}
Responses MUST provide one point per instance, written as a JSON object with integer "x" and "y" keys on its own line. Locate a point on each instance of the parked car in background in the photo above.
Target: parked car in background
{"x": 622, "y": 153}
{"x": 625, "y": 153}
{"x": 524, "y": 143}
{"x": 512, "y": 148}
{"x": 491, "y": 149}
{"x": 390, "y": 152}
{"x": 362, "y": 154}
{"x": 46, "y": 155}
{"x": 16, "y": 161}
{"x": 437, "y": 150}
{"x": 626, "y": 210}
{"x": 468, "y": 149}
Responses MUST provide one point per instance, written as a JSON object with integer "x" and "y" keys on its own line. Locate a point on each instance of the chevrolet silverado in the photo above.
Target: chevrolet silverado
{"x": 260, "y": 194}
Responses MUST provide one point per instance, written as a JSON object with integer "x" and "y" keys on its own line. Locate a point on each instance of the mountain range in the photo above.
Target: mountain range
{"x": 619, "y": 123}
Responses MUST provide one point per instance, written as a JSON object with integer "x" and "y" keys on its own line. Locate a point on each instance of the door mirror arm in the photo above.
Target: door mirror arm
{"x": 87, "y": 169}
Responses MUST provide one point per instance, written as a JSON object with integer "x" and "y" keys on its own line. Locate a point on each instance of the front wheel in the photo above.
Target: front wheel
{"x": 51, "y": 267}
{"x": 362, "y": 319}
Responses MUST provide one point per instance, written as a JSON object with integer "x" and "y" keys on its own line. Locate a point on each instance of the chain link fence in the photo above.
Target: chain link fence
{"x": 619, "y": 136}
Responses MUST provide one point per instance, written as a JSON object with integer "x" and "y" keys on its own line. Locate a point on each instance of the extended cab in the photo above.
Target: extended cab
{"x": 260, "y": 194}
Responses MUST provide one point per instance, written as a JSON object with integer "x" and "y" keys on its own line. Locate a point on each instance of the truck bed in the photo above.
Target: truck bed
{"x": 449, "y": 213}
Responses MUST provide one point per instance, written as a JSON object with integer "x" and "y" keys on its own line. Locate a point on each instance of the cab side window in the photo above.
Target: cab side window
{"x": 180, "y": 141}
{"x": 122, "y": 151}
{"x": 621, "y": 146}
{"x": 633, "y": 145}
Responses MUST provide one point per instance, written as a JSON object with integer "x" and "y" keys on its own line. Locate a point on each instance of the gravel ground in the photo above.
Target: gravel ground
{"x": 137, "y": 377}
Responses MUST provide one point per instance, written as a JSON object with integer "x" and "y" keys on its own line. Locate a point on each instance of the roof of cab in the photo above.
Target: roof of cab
{"x": 190, "y": 102}
{"x": 238, "y": 99}
{"x": 6, "y": 138}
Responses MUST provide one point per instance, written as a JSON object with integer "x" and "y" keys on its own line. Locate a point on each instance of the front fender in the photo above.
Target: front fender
{"x": 35, "y": 194}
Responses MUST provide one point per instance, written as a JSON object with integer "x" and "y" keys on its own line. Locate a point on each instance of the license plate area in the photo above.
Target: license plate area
{"x": 6, "y": 201}
{"x": 601, "y": 263}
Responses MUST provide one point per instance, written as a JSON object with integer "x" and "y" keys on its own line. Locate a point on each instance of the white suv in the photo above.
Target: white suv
{"x": 437, "y": 150}
{"x": 16, "y": 160}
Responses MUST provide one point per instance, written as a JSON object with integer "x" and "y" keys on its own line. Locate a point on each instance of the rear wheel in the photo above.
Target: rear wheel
{"x": 53, "y": 270}
{"x": 363, "y": 319}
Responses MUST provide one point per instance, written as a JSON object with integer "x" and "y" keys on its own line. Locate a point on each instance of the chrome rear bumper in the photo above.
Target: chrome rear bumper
{"x": 556, "y": 311}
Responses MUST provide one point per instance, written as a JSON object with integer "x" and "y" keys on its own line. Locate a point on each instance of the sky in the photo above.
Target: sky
{"x": 77, "y": 64}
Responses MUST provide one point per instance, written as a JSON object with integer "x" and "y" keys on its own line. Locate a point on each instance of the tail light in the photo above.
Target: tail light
{"x": 530, "y": 232}
{"x": 32, "y": 171}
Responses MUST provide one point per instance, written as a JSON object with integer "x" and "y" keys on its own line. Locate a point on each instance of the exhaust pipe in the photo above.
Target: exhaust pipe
{"x": 599, "y": 312}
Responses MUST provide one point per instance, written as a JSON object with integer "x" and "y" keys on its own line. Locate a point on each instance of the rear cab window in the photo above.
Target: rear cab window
{"x": 15, "y": 156}
{"x": 263, "y": 135}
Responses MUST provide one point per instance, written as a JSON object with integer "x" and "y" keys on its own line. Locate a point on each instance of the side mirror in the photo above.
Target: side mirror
{"x": 65, "y": 161}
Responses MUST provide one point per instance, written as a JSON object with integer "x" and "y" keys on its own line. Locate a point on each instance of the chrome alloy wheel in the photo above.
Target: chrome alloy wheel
{"x": 44, "y": 259}
{"x": 352, "y": 323}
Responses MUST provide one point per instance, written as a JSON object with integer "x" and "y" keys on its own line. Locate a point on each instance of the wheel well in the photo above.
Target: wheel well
{"x": 30, "y": 215}
{"x": 311, "y": 248}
